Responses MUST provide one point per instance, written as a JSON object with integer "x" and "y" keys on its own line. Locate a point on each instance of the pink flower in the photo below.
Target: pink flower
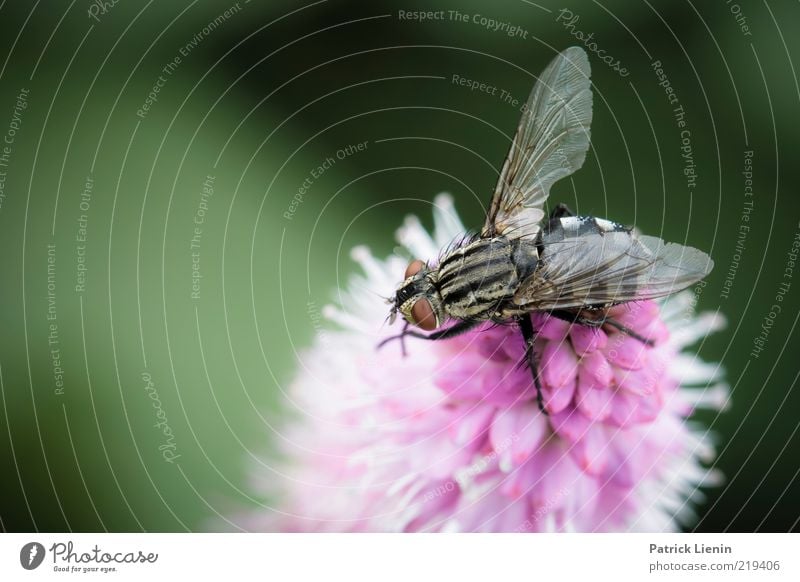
{"x": 450, "y": 438}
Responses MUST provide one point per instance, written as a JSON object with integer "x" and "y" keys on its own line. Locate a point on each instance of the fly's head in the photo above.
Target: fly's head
{"x": 417, "y": 298}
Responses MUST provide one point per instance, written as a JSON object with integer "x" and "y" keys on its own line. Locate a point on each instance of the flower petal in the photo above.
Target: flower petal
{"x": 531, "y": 427}
{"x": 594, "y": 404}
{"x": 447, "y": 224}
{"x": 656, "y": 331}
{"x": 587, "y": 339}
{"x": 626, "y": 352}
{"x": 553, "y": 329}
{"x": 559, "y": 365}
{"x": 507, "y": 386}
{"x": 649, "y": 407}
{"x": 492, "y": 347}
{"x": 466, "y": 427}
{"x": 621, "y": 466}
{"x": 461, "y": 378}
{"x": 591, "y": 451}
{"x": 569, "y": 424}
{"x": 596, "y": 371}
{"x": 557, "y": 399}
{"x": 635, "y": 314}
{"x": 501, "y": 435}
{"x": 638, "y": 382}
{"x": 624, "y": 409}
{"x": 628, "y": 409}
{"x": 555, "y": 477}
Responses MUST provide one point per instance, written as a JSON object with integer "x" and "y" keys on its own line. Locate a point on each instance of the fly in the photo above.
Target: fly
{"x": 570, "y": 267}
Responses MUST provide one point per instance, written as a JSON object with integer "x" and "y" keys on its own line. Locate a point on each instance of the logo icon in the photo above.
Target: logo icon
{"x": 31, "y": 555}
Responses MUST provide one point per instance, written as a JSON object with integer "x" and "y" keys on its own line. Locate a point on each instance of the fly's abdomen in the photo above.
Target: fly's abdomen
{"x": 475, "y": 279}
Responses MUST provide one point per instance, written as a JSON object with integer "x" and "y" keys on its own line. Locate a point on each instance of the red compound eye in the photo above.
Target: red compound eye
{"x": 422, "y": 312}
{"x": 413, "y": 268}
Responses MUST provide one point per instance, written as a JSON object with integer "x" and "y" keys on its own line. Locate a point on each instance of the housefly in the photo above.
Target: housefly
{"x": 571, "y": 267}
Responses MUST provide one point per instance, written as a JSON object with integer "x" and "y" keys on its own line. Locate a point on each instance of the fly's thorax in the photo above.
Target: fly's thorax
{"x": 474, "y": 280}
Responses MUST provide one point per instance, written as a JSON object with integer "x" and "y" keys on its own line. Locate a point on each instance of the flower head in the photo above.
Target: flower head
{"x": 449, "y": 437}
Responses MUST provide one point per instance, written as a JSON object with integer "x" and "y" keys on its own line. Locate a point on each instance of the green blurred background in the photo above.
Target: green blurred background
{"x": 255, "y": 102}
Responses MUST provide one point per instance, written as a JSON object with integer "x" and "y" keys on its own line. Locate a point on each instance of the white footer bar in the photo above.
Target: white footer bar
{"x": 401, "y": 558}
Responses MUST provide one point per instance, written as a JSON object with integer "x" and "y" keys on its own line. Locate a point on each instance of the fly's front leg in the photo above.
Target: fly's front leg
{"x": 577, "y": 317}
{"x": 462, "y": 326}
{"x": 529, "y": 335}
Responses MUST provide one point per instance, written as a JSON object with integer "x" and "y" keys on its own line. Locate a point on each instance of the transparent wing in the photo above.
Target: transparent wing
{"x": 598, "y": 269}
{"x": 550, "y": 143}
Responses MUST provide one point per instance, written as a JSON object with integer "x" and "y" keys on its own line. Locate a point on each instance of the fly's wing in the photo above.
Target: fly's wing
{"x": 550, "y": 143}
{"x": 612, "y": 267}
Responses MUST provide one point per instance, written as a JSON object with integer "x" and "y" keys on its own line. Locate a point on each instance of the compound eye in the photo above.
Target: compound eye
{"x": 414, "y": 267}
{"x": 421, "y": 311}
{"x": 423, "y": 315}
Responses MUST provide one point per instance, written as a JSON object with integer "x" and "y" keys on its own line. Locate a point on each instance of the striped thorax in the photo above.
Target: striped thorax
{"x": 471, "y": 282}
{"x": 476, "y": 279}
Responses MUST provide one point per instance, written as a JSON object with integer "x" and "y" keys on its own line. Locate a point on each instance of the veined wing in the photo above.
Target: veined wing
{"x": 550, "y": 143}
{"x": 611, "y": 267}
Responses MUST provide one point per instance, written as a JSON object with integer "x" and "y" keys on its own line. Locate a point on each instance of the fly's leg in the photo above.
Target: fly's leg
{"x": 462, "y": 326}
{"x": 560, "y": 211}
{"x": 402, "y": 338}
{"x": 526, "y": 327}
{"x": 576, "y": 317}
